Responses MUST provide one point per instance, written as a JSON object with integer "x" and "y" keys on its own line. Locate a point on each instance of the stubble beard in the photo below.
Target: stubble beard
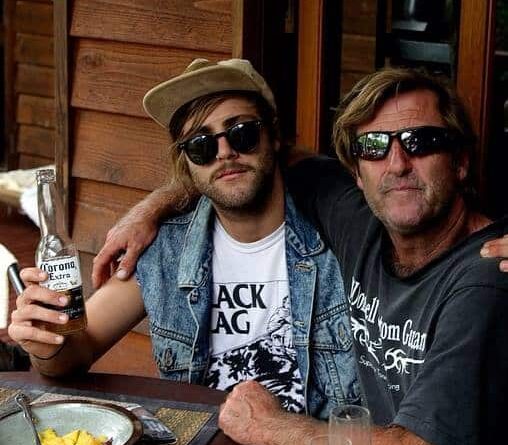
{"x": 434, "y": 206}
{"x": 245, "y": 200}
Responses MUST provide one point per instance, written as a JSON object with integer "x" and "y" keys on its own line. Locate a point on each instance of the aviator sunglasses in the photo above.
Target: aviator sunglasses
{"x": 243, "y": 137}
{"x": 417, "y": 141}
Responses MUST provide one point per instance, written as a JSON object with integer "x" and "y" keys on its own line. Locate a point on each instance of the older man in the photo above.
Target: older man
{"x": 428, "y": 315}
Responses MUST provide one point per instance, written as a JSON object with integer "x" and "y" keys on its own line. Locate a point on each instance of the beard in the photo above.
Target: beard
{"x": 421, "y": 210}
{"x": 250, "y": 194}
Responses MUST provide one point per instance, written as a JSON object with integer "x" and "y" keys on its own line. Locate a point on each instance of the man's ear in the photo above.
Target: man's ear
{"x": 462, "y": 165}
{"x": 358, "y": 178}
{"x": 276, "y": 145}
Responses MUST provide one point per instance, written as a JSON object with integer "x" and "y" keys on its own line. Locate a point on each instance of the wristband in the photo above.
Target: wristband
{"x": 52, "y": 355}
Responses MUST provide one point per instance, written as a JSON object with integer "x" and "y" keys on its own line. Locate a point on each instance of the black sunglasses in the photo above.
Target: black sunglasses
{"x": 243, "y": 137}
{"x": 417, "y": 141}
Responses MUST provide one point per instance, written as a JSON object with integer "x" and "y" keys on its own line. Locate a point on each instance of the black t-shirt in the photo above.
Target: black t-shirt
{"x": 432, "y": 348}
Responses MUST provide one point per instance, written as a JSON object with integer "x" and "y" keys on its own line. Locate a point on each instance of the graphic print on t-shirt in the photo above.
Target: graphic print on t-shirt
{"x": 395, "y": 345}
{"x": 269, "y": 358}
{"x": 250, "y": 325}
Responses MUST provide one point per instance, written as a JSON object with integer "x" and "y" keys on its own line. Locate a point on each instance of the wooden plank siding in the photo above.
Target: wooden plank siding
{"x": 34, "y": 49}
{"x": 34, "y": 140}
{"x": 359, "y": 17}
{"x": 114, "y": 76}
{"x": 118, "y": 50}
{"x": 203, "y": 25}
{"x": 35, "y": 80}
{"x": 35, "y": 110}
{"x": 358, "y": 55}
{"x": 33, "y": 86}
{"x": 29, "y": 161}
{"x": 96, "y": 208}
{"x": 34, "y": 18}
{"x": 121, "y": 150}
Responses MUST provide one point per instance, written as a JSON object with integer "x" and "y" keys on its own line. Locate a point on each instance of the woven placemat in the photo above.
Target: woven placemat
{"x": 6, "y": 394}
{"x": 186, "y": 424}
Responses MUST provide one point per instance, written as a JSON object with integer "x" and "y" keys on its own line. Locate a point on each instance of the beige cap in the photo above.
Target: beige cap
{"x": 200, "y": 78}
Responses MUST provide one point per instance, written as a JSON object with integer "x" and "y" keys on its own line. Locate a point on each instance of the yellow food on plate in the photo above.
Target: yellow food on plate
{"x": 76, "y": 437}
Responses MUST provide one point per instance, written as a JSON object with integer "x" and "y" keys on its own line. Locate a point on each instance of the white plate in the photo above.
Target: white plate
{"x": 65, "y": 416}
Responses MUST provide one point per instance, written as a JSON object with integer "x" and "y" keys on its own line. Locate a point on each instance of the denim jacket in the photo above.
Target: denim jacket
{"x": 176, "y": 281}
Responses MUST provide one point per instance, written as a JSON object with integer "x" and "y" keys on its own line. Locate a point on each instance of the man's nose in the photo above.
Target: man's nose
{"x": 224, "y": 149}
{"x": 399, "y": 162}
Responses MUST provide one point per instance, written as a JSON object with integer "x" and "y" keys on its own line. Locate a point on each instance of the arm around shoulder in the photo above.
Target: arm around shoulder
{"x": 137, "y": 229}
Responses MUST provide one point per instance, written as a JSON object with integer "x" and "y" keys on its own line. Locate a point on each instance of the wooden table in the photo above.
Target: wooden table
{"x": 130, "y": 385}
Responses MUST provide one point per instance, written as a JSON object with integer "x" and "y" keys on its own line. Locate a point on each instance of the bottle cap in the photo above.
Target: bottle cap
{"x": 45, "y": 175}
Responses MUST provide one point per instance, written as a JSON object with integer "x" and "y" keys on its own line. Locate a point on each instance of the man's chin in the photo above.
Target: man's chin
{"x": 404, "y": 223}
{"x": 237, "y": 201}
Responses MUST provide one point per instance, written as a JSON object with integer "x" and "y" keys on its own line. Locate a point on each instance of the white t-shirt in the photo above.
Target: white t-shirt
{"x": 250, "y": 326}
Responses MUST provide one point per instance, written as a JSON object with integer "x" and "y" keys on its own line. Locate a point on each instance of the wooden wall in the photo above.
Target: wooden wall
{"x": 33, "y": 82}
{"x": 118, "y": 50}
{"x": 358, "y": 55}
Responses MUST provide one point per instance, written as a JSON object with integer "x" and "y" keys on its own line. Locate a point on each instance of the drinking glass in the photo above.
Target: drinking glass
{"x": 322, "y": 439}
{"x": 349, "y": 425}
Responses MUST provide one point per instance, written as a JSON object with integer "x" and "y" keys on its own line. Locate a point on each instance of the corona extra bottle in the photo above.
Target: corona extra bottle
{"x": 57, "y": 255}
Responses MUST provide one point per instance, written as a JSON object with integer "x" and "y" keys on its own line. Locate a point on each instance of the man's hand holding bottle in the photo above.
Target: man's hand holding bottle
{"x": 35, "y": 309}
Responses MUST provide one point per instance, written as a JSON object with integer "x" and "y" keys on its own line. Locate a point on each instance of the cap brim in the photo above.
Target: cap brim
{"x": 162, "y": 101}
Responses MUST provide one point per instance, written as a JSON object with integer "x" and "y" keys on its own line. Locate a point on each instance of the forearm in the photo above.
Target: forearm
{"x": 291, "y": 429}
{"x": 251, "y": 415}
{"x": 288, "y": 429}
{"x": 395, "y": 435}
{"x": 75, "y": 355}
{"x": 162, "y": 202}
{"x": 137, "y": 229}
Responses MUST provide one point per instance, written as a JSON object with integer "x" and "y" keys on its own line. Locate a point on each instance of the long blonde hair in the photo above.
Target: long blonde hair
{"x": 197, "y": 111}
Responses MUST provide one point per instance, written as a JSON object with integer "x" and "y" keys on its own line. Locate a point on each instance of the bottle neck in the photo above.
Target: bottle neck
{"x": 51, "y": 215}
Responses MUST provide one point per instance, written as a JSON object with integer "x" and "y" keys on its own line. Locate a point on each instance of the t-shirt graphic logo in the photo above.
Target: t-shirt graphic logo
{"x": 399, "y": 361}
{"x": 279, "y": 326}
{"x": 362, "y": 335}
{"x": 269, "y": 358}
{"x": 231, "y": 321}
{"x": 367, "y": 321}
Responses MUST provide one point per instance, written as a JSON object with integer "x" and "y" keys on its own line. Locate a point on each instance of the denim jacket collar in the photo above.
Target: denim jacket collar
{"x": 196, "y": 250}
{"x": 301, "y": 235}
{"x": 193, "y": 269}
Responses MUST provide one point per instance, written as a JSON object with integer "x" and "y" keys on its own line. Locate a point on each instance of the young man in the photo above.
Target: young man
{"x": 428, "y": 315}
{"x": 242, "y": 288}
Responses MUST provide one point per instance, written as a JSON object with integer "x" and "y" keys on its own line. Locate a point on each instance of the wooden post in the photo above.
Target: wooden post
{"x": 246, "y": 16}
{"x": 60, "y": 21}
{"x": 10, "y": 156}
{"x": 309, "y": 91}
{"x": 475, "y": 70}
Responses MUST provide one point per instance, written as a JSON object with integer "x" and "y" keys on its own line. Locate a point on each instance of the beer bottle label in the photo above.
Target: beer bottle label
{"x": 63, "y": 273}
{"x": 76, "y": 307}
{"x": 64, "y": 276}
